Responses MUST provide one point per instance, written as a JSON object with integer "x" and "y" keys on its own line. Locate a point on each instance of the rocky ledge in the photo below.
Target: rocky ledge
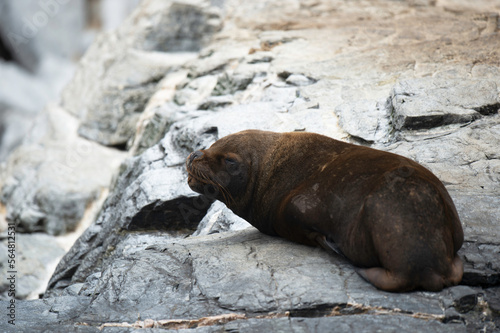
{"x": 419, "y": 78}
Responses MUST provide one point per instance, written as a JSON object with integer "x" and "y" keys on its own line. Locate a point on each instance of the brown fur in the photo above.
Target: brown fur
{"x": 387, "y": 214}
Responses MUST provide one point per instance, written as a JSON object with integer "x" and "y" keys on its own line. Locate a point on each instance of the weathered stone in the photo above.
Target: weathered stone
{"x": 242, "y": 271}
{"x": 54, "y": 315}
{"x": 50, "y": 181}
{"x": 196, "y": 90}
{"x": 173, "y": 26}
{"x": 12, "y": 123}
{"x": 28, "y": 28}
{"x": 106, "y": 95}
{"x": 464, "y": 298}
{"x": 354, "y": 119}
{"x": 216, "y": 102}
{"x": 17, "y": 113}
{"x": 33, "y": 267}
{"x": 342, "y": 324}
{"x": 150, "y": 195}
{"x": 159, "y": 114}
{"x": 299, "y": 80}
{"x": 219, "y": 218}
{"x": 230, "y": 84}
{"x": 430, "y": 102}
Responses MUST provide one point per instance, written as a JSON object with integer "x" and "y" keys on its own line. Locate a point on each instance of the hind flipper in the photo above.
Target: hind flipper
{"x": 383, "y": 279}
{"x": 457, "y": 271}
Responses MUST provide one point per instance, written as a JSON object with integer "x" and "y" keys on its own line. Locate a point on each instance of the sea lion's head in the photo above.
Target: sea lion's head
{"x": 223, "y": 171}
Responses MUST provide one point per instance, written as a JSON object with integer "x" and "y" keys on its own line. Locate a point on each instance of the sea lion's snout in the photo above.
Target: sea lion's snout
{"x": 194, "y": 155}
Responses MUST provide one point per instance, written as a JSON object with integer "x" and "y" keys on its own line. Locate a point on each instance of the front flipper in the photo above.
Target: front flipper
{"x": 327, "y": 244}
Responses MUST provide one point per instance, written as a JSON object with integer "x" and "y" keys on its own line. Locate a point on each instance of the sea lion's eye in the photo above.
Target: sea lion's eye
{"x": 232, "y": 166}
{"x": 230, "y": 161}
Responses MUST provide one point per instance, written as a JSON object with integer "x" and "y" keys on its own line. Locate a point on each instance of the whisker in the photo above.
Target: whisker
{"x": 204, "y": 178}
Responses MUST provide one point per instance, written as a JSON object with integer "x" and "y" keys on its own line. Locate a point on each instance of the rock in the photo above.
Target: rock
{"x": 465, "y": 298}
{"x": 106, "y": 95}
{"x": 39, "y": 43}
{"x": 482, "y": 264}
{"x": 196, "y": 90}
{"x": 158, "y": 115}
{"x": 27, "y": 28}
{"x": 218, "y": 219}
{"x": 299, "y": 80}
{"x": 120, "y": 93}
{"x": 234, "y": 272}
{"x": 492, "y": 296}
{"x": 13, "y": 122}
{"x": 430, "y": 102}
{"x": 151, "y": 195}
{"x": 33, "y": 267}
{"x": 56, "y": 315}
{"x": 341, "y": 324}
{"x": 17, "y": 112}
{"x": 353, "y": 119}
{"x": 50, "y": 181}
{"x": 246, "y": 272}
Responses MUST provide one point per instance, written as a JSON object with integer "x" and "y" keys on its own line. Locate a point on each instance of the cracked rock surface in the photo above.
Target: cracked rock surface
{"x": 417, "y": 78}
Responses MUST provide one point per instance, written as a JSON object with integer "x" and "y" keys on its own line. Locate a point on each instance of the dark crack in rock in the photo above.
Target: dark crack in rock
{"x": 431, "y": 102}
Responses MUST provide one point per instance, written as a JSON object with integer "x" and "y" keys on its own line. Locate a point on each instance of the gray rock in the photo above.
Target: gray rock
{"x": 230, "y": 84}
{"x": 464, "y": 298}
{"x": 109, "y": 106}
{"x": 431, "y": 102}
{"x": 50, "y": 181}
{"x": 219, "y": 218}
{"x": 260, "y": 57}
{"x": 160, "y": 113}
{"x": 482, "y": 265}
{"x": 299, "y": 80}
{"x": 33, "y": 267}
{"x": 118, "y": 75}
{"x": 216, "y": 102}
{"x": 12, "y": 123}
{"x": 196, "y": 90}
{"x": 151, "y": 196}
{"x": 41, "y": 40}
{"x": 89, "y": 287}
{"x": 237, "y": 271}
{"x": 358, "y": 323}
{"x": 366, "y": 120}
{"x": 17, "y": 113}
{"x": 248, "y": 272}
{"x": 52, "y": 315}
{"x": 28, "y": 27}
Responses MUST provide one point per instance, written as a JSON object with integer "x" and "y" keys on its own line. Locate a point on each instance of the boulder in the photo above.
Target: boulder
{"x": 106, "y": 95}
{"x": 33, "y": 267}
{"x": 432, "y": 102}
{"x": 53, "y": 179}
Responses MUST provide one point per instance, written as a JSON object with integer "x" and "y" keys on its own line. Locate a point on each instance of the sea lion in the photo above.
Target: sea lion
{"x": 390, "y": 216}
